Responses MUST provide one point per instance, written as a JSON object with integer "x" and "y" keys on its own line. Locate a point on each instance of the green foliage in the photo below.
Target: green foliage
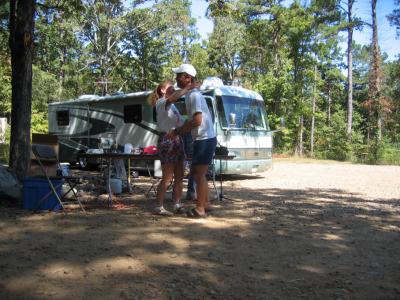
{"x": 225, "y": 45}
{"x": 154, "y": 40}
{"x": 389, "y": 153}
{"x": 45, "y": 87}
{"x": 58, "y": 50}
{"x": 198, "y": 56}
{"x": 144, "y": 49}
{"x": 331, "y": 141}
{"x": 273, "y": 49}
{"x": 5, "y": 148}
{"x": 221, "y": 8}
{"x": 4, "y": 153}
{"x": 39, "y": 122}
{"x": 283, "y": 139}
{"x": 394, "y": 18}
{"x": 383, "y": 152}
{"x": 5, "y": 63}
{"x": 4, "y": 18}
{"x": 100, "y": 29}
{"x": 392, "y": 93}
{"x": 5, "y": 87}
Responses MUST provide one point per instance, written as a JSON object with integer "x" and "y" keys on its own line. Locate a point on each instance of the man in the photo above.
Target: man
{"x": 204, "y": 140}
{"x": 191, "y": 185}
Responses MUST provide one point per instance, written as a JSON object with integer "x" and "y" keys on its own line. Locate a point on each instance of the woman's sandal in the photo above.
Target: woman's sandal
{"x": 161, "y": 211}
{"x": 193, "y": 213}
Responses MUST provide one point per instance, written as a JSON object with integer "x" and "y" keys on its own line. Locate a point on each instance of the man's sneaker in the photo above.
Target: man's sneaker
{"x": 161, "y": 211}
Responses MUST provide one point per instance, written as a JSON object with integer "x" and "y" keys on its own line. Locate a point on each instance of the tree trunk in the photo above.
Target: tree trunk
{"x": 329, "y": 106}
{"x": 61, "y": 74}
{"x": 21, "y": 46}
{"x": 375, "y": 78}
{"x": 349, "y": 70}
{"x": 299, "y": 146}
{"x": 376, "y": 75}
{"x": 313, "y": 113}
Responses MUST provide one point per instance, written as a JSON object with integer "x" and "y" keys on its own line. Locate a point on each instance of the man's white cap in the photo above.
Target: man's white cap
{"x": 185, "y": 68}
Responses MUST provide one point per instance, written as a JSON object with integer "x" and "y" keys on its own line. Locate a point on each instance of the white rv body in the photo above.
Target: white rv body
{"x": 250, "y": 141}
{"x": 128, "y": 119}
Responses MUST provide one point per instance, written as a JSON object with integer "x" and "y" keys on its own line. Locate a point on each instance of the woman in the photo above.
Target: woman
{"x": 170, "y": 149}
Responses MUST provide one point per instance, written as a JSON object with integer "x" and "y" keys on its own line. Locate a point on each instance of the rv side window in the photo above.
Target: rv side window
{"x": 63, "y": 118}
{"x": 221, "y": 112}
{"x": 154, "y": 115}
{"x": 210, "y": 107}
{"x": 133, "y": 113}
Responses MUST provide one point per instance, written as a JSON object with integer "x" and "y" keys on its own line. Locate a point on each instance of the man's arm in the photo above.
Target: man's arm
{"x": 189, "y": 125}
{"x": 179, "y": 93}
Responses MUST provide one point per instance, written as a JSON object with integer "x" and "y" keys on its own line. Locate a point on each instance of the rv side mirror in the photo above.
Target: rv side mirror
{"x": 232, "y": 119}
{"x": 281, "y": 125}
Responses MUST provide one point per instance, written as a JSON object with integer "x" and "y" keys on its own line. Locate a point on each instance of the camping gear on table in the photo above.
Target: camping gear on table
{"x": 150, "y": 150}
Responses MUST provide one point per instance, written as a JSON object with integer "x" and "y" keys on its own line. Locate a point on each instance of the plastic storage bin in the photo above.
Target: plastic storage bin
{"x": 35, "y": 189}
{"x": 116, "y": 185}
{"x": 64, "y": 169}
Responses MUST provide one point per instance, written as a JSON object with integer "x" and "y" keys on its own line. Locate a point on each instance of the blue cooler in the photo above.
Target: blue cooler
{"x": 35, "y": 189}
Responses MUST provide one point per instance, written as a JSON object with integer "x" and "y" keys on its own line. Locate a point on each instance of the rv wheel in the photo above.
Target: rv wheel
{"x": 82, "y": 163}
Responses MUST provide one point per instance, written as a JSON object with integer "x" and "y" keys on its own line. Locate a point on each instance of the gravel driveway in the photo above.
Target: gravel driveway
{"x": 301, "y": 230}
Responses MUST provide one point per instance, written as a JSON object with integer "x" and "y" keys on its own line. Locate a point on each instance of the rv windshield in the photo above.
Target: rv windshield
{"x": 242, "y": 113}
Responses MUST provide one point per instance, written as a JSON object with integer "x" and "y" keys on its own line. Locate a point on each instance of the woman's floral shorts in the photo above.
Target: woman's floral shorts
{"x": 170, "y": 150}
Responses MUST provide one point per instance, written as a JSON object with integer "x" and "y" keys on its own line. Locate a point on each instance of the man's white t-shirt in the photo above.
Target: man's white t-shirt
{"x": 195, "y": 102}
{"x": 169, "y": 118}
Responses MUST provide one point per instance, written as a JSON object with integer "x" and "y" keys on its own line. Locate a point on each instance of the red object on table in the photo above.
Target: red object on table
{"x": 150, "y": 150}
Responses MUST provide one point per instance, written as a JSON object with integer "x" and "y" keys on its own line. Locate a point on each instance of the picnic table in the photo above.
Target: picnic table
{"x": 108, "y": 157}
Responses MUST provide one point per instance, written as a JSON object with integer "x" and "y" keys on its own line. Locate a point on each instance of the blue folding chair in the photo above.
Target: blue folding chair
{"x": 46, "y": 154}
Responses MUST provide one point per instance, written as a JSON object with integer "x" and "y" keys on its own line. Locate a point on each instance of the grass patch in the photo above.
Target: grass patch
{"x": 307, "y": 160}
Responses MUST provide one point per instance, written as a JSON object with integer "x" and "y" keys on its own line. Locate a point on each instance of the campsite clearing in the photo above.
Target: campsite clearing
{"x": 301, "y": 230}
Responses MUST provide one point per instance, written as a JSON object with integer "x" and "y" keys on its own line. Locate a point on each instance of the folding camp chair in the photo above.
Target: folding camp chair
{"x": 46, "y": 154}
{"x": 155, "y": 181}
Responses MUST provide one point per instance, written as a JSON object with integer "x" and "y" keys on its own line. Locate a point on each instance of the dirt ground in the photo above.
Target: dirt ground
{"x": 301, "y": 230}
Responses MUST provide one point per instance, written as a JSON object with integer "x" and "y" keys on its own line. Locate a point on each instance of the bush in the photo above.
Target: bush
{"x": 384, "y": 153}
{"x": 331, "y": 141}
{"x": 4, "y": 153}
{"x": 387, "y": 153}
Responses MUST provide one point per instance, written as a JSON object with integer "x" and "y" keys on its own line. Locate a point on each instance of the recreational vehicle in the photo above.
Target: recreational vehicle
{"x": 239, "y": 115}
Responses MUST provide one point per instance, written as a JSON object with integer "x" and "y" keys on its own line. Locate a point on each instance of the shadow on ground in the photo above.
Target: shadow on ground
{"x": 261, "y": 244}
